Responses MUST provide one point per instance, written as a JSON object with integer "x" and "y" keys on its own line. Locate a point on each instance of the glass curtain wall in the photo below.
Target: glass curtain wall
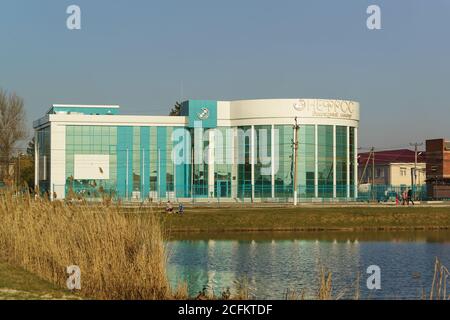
{"x": 137, "y": 154}
{"x": 325, "y": 161}
{"x": 200, "y": 169}
{"x": 43, "y": 144}
{"x": 284, "y": 177}
{"x": 170, "y": 173}
{"x": 244, "y": 175}
{"x": 150, "y": 166}
{"x": 154, "y": 164}
{"x": 263, "y": 162}
{"x": 223, "y": 162}
{"x": 156, "y": 176}
{"x": 352, "y": 162}
{"x": 306, "y": 161}
{"x": 341, "y": 162}
{"x": 92, "y": 140}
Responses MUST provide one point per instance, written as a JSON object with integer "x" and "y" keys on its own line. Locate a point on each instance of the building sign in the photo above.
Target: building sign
{"x": 91, "y": 167}
{"x": 200, "y": 112}
{"x": 203, "y": 114}
{"x": 327, "y": 108}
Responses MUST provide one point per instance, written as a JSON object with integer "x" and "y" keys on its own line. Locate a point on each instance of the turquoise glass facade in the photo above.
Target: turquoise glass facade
{"x": 341, "y": 161}
{"x": 194, "y": 158}
{"x": 140, "y": 161}
{"x": 353, "y": 163}
{"x": 306, "y": 161}
{"x": 223, "y": 168}
{"x": 325, "y": 161}
{"x": 284, "y": 176}
{"x": 244, "y": 167}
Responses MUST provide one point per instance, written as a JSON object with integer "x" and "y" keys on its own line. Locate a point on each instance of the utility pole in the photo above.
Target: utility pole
{"x": 416, "y": 146}
{"x": 373, "y": 173}
{"x": 362, "y": 178}
{"x": 295, "y": 145}
{"x": 371, "y": 156}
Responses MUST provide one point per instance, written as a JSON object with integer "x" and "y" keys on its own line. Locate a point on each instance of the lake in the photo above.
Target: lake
{"x": 272, "y": 263}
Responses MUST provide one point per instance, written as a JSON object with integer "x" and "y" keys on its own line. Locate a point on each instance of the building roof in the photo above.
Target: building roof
{"x": 392, "y": 156}
{"x": 83, "y": 109}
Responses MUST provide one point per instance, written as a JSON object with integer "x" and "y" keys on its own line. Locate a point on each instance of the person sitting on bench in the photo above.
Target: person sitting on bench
{"x": 169, "y": 207}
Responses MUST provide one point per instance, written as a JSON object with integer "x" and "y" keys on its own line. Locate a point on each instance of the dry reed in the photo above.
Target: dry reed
{"x": 121, "y": 255}
{"x": 440, "y": 280}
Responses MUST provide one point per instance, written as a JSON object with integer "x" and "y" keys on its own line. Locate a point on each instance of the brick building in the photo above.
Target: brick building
{"x": 438, "y": 168}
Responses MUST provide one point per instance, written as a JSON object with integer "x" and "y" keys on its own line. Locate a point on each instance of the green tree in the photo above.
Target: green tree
{"x": 30, "y": 148}
{"x": 176, "y": 110}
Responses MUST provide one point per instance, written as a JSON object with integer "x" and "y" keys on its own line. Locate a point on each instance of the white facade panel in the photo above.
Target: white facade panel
{"x": 57, "y": 161}
{"x": 91, "y": 167}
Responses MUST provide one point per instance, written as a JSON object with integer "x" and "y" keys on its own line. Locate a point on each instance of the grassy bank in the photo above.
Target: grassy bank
{"x": 310, "y": 219}
{"x": 120, "y": 255}
{"x": 18, "y": 284}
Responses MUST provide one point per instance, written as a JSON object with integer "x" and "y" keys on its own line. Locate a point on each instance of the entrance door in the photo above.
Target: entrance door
{"x": 223, "y": 189}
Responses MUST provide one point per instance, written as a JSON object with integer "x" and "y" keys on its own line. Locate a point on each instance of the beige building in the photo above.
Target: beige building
{"x": 393, "y": 167}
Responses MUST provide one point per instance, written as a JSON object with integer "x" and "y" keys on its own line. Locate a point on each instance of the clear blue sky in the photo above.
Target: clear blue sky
{"x": 145, "y": 55}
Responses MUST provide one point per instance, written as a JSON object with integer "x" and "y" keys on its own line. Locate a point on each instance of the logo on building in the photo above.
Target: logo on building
{"x": 300, "y": 105}
{"x": 203, "y": 114}
{"x": 326, "y": 108}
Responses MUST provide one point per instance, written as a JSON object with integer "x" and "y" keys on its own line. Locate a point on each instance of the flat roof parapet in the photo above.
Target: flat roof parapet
{"x": 84, "y": 109}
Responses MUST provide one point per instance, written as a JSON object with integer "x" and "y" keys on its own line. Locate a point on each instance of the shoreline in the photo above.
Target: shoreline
{"x": 312, "y": 230}
{"x": 360, "y": 219}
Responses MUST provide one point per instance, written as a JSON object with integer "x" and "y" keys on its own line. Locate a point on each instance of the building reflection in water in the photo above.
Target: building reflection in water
{"x": 268, "y": 268}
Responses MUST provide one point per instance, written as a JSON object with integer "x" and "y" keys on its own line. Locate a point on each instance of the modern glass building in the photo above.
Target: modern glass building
{"x": 223, "y": 150}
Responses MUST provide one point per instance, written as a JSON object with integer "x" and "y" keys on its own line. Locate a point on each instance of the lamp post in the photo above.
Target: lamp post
{"x": 295, "y": 145}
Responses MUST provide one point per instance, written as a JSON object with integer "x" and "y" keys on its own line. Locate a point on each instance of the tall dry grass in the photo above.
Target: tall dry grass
{"x": 121, "y": 255}
{"x": 440, "y": 279}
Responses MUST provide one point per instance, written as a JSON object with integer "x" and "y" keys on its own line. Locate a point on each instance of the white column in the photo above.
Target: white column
{"x": 316, "y": 161}
{"x": 36, "y": 159}
{"x": 235, "y": 160}
{"x": 252, "y": 160}
{"x": 272, "y": 150}
{"x": 143, "y": 173}
{"x": 126, "y": 178}
{"x": 356, "y": 163}
{"x": 334, "y": 162}
{"x": 57, "y": 161}
{"x": 348, "y": 163}
{"x": 211, "y": 160}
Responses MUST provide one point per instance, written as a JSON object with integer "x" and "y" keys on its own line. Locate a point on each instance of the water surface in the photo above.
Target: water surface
{"x": 272, "y": 263}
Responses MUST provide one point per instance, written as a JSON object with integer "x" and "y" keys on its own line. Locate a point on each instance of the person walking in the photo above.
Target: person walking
{"x": 404, "y": 197}
{"x": 410, "y": 197}
{"x": 180, "y": 208}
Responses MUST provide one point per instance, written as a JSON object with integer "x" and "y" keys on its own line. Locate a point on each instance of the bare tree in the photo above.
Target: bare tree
{"x": 12, "y": 129}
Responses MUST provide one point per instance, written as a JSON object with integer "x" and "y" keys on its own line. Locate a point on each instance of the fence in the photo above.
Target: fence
{"x": 244, "y": 193}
